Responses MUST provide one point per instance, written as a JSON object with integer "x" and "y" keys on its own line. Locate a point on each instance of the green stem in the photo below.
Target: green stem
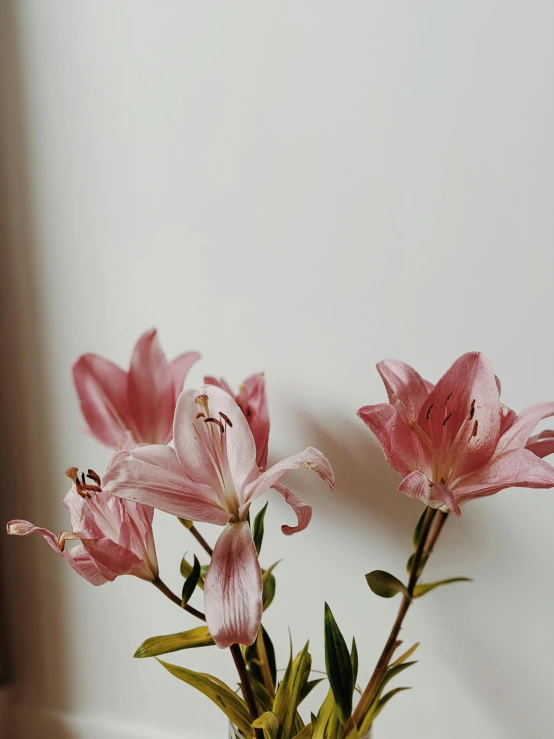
{"x": 382, "y": 664}
{"x": 240, "y": 664}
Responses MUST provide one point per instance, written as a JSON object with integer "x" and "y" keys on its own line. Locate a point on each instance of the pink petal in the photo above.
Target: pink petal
{"x": 81, "y": 514}
{"x": 402, "y": 447}
{"x": 77, "y": 557}
{"x": 151, "y": 390}
{"x": 141, "y": 517}
{"x": 180, "y": 367}
{"x": 233, "y": 588}
{"x": 516, "y": 468}
{"x": 406, "y": 389}
{"x": 197, "y": 442}
{"x": 310, "y": 459}
{"x": 151, "y": 475}
{"x": 253, "y": 401}
{"x": 433, "y": 494}
{"x": 113, "y": 559}
{"x": 302, "y": 510}
{"x": 208, "y": 380}
{"x": 542, "y": 444}
{"x": 521, "y": 429}
{"x": 102, "y": 390}
{"x": 462, "y": 414}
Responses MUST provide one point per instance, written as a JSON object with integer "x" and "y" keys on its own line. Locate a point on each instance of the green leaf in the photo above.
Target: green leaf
{"x": 289, "y": 691}
{"x": 269, "y": 584}
{"x": 186, "y": 523}
{"x": 191, "y": 582}
{"x": 385, "y": 585}
{"x": 426, "y": 587}
{"x": 306, "y": 733}
{"x": 268, "y": 722}
{"x": 339, "y": 666}
{"x": 186, "y": 571}
{"x": 308, "y": 687}
{"x": 391, "y": 673}
{"x": 264, "y": 700}
{"x": 156, "y": 645}
{"x": 219, "y": 693}
{"x": 418, "y": 527}
{"x": 422, "y": 562}
{"x": 258, "y": 529}
{"x": 405, "y": 656}
{"x": 354, "y": 661}
{"x": 326, "y": 716}
{"x": 385, "y": 699}
{"x": 260, "y": 658}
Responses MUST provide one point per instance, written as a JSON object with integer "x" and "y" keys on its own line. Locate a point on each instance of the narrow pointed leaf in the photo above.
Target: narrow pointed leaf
{"x": 385, "y": 585}
{"x": 156, "y": 645}
{"x": 186, "y": 571}
{"x": 258, "y": 529}
{"x": 385, "y": 699}
{"x": 339, "y": 666}
{"x": 260, "y": 658}
{"x": 219, "y": 693}
{"x": 405, "y": 656}
{"x": 264, "y": 700}
{"x": 269, "y": 585}
{"x": 191, "y": 582}
{"x": 426, "y": 587}
{"x": 422, "y": 563}
{"x": 354, "y": 661}
{"x": 308, "y": 687}
{"x": 289, "y": 691}
{"x": 418, "y": 527}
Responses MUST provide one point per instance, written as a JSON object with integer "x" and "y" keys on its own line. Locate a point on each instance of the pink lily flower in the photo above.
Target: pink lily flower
{"x": 252, "y": 400}
{"x": 455, "y": 441}
{"x": 115, "y": 536}
{"x": 141, "y": 401}
{"x": 212, "y": 476}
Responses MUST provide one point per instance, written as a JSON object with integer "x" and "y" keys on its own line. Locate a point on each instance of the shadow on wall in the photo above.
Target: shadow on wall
{"x": 32, "y": 619}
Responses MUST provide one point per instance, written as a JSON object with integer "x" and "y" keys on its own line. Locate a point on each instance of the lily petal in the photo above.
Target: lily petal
{"x": 252, "y": 399}
{"x": 542, "y": 444}
{"x": 209, "y": 380}
{"x": 462, "y": 416}
{"x": 401, "y": 446}
{"x": 102, "y": 389}
{"x": 180, "y": 367}
{"x": 233, "y": 588}
{"x": 151, "y": 390}
{"x": 517, "y": 435}
{"x": 152, "y": 475}
{"x": 515, "y": 468}
{"x": 310, "y": 458}
{"x": 433, "y": 494}
{"x": 303, "y": 510}
{"x": 406, "y": 389}
{"x": 77, "y": 558}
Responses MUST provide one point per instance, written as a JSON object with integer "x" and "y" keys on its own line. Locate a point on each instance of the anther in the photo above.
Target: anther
{"x": 427, "y": 414}
{"x": 226, "y": 419}
{"x": 92, "y": 475}
{"x": 201, "y": 415}
{"x": 217, "y": 421}
{"x": 475, "y": 426}
{"x": 472, "y": 409}
{"x": 446, "y": 419}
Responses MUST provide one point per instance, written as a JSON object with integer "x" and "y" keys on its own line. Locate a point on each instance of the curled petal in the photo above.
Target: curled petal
{"x": 433, "y": 494}
{"x": 522, "y": 427}
{"x": 102, "y": 390}
{"x": 303, "y": 510}
{"x": 310, "y": 458}
{"x": 403, "y": 449}
{"x": 151, "y": 475}
{"x": 542, "y": 444}
{"x": 180, "y": 367}
{"x": 252, "y": 399}
{"x": 151, "y": 390}
{"x": 77, "y": 557}
{"x": 406, "y": 389}
{"x": 233, "y": 588}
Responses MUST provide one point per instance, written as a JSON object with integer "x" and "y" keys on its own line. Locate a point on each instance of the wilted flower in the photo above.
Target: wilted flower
{"x": 455, "y": 441}
{"x": 140, "y": 401}
{"x": 212, "y": 476}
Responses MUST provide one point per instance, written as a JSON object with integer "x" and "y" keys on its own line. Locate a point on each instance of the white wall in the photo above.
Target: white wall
{"x": 305, "y": 188}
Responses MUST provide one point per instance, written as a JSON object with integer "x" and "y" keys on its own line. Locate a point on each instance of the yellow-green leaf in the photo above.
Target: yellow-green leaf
{"x": 258, "y": 529}
{"x": 219, "y": 693}
{"x": 289, "y": 691}
{"x": 268, "y": 722}
{"x": 156, "y": 645}
{"x": 426, "y": 587}
{"x": 405, "y": 656}
{"x": 269, "y": 584}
